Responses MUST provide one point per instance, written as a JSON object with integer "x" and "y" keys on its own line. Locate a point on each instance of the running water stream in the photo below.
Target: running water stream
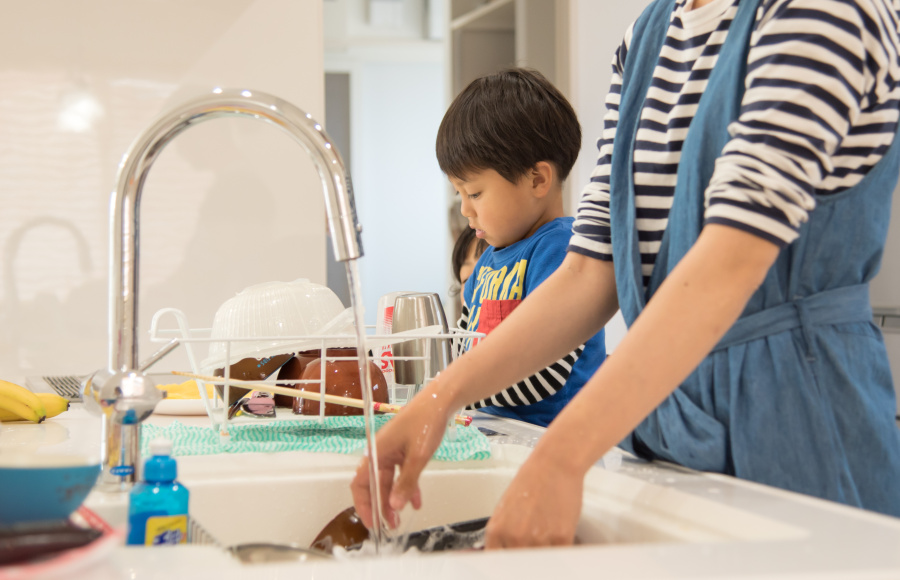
{"x": 383, "y": 540}
{"x": 356, "y": 302}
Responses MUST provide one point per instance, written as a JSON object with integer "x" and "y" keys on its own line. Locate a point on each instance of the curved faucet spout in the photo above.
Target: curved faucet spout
{"x": 124, "y": 225}
{"x": 121, "y": 391}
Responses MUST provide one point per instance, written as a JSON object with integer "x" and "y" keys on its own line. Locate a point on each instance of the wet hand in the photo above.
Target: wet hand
{"x": 406, "y": 442}
{"x": 541, "y": 507}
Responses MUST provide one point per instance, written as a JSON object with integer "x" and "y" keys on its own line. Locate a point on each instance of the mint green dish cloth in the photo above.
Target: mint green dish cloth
{"x": 332, "y": 435}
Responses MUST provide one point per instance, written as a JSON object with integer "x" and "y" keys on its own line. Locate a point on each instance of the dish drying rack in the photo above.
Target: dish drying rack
{"x": 216, "y": 405}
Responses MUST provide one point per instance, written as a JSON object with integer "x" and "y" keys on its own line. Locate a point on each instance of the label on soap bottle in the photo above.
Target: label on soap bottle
{"x": 166, "y": 530}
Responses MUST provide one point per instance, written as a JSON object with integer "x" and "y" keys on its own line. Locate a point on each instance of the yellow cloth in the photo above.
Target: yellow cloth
{"x": 185, "y": 390}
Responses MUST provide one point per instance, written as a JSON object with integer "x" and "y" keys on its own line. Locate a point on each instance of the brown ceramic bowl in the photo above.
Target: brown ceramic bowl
{"x": 293, "y": 369}
{"x": 249, "y": 369}
{"x": 341, "y": 379}
{"x": 345, "y": 529}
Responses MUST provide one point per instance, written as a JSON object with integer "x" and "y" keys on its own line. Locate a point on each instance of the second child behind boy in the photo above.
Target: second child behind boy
{"x": 507, "y": 143}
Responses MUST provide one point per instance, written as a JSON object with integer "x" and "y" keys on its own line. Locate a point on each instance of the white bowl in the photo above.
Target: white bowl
{"x": 269, "y": 311}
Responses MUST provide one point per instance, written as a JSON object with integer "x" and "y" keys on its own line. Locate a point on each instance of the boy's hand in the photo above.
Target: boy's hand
{"x": 407, "y": 441}
{"x": 541, "y": 507}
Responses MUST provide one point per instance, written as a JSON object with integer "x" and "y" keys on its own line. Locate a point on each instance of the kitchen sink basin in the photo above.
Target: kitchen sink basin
{"x": 639, "y": 520}
{"x": 292, "y": 507}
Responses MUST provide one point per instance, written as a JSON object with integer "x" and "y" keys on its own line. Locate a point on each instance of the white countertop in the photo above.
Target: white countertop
{"x": 817, "y": 539}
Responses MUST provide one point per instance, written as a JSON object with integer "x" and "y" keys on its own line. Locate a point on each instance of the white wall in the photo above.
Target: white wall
{"x": 885, "y": 291}
{"x": 397, "y": 101}
{"x": 596, "y": 30}
{"x": 402, "y": 201}
{"x": 886, "y": 286}
{"x": 229, "y": 204}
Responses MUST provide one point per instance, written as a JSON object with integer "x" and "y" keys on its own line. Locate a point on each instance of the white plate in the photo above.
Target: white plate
{"x": 180, "y": 407}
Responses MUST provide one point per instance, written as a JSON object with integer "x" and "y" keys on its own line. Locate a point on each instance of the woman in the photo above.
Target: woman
{"x": 737, "y": 232}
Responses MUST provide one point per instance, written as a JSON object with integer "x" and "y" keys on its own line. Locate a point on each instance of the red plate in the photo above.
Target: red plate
{"x": 67, "y": 563}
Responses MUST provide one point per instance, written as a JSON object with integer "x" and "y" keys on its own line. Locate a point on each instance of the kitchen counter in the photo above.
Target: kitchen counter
{"x": 768, "y": 533}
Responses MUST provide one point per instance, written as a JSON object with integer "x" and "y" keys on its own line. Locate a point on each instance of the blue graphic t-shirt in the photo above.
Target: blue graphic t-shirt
{"x": 500, "y": 281}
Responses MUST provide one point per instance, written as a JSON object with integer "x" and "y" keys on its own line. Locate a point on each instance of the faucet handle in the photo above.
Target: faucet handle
{"x": 126, "y": 397}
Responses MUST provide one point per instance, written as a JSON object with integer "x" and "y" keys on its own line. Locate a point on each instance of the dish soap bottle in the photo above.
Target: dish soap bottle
{"x": 158, "y": 506}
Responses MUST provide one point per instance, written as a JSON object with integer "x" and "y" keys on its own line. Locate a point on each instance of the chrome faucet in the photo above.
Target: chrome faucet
{"x": 122, "y": 393}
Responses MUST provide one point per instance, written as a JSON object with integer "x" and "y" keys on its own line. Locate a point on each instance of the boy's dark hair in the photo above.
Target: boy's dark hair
{"x": 508, "y": 121}
{"x": 461, "y": 250}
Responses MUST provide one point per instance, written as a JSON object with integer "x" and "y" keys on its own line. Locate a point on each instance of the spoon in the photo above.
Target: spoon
{"x": 261, "y": 553}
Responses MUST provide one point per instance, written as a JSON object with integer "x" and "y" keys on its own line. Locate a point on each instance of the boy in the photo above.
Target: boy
{"x": 507, "y": 143}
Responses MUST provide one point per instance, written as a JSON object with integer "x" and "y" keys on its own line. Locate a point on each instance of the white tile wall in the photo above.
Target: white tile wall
{"x": 228, "y": 204}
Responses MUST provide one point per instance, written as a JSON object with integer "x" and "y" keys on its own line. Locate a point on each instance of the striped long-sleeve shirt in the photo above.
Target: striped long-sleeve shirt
{"x": 819, "y": 111}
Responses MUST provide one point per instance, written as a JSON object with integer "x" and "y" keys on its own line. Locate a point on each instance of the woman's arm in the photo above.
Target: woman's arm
{"x": 688, "y": 315}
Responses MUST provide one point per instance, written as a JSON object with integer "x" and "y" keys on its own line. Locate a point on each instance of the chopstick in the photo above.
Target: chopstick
{"x": 464, "y": 420}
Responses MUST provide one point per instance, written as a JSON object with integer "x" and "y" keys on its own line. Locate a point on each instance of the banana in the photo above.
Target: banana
{"x": 8, "y": 416}
{"x": 19, "y": 410}
{"x": 21, "y": 402}
{"x": 53, "y": 403}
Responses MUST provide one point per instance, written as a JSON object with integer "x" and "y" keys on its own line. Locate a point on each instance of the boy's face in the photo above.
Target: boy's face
{"x": 500, "y": 212}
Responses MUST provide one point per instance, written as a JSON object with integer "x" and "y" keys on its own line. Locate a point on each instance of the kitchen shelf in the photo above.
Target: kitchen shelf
{"x": 887, "y": 318}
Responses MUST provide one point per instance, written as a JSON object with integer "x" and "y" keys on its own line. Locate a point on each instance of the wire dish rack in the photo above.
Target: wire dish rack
{"x": 379, "y": 347}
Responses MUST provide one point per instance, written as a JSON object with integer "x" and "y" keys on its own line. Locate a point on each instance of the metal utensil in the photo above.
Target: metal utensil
{"x": 467, "y": 535}
{"x": 418, "y": 361}
{"x": 262, "y": 553}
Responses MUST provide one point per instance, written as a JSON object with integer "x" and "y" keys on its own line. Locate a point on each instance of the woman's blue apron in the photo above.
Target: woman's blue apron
{"x": 798, "y": 394}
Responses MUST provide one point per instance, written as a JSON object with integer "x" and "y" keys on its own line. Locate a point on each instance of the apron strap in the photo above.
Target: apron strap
{"x": 838, "y": 306}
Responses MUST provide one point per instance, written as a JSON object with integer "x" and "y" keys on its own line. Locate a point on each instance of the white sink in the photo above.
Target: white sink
{"x": 618, "y": 508}
{"x": 639, "y": 521}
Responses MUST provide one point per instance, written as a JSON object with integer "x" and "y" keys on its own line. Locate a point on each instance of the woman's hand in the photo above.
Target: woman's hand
{"x": 407, "y": 441}
{"x": 541, "y": 507}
